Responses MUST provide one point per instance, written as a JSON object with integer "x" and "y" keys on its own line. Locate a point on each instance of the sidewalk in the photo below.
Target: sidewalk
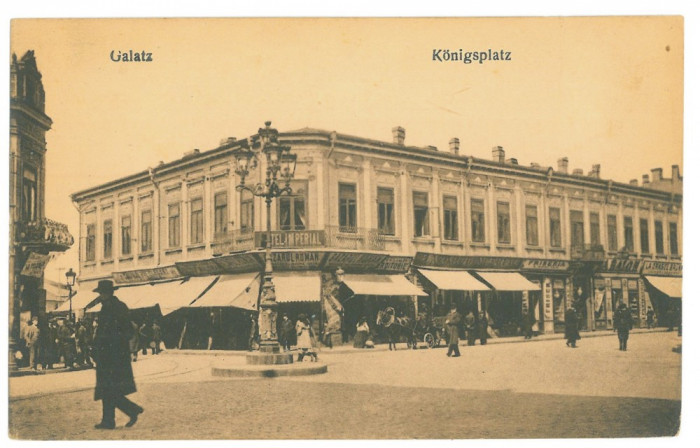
{"x": 348, "y": 348}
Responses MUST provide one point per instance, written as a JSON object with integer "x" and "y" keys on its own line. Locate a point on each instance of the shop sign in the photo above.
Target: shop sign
{"x": 292, "y": 239}
{"x": 663, "y": 268}
{"x": 534, "y": 264}
{"x": 354, "y": 260}
{"x": 425, "y": 259}
{"x": 547, "y": 300}
{"x": 395, "y": 264}
{"x": 296, "y": 260}
{"x": 147, "y": 275}
{"x": 34, "y": 267}
{"x": 198, "y": 267}
{"x": 622, "y": 265}
{"x": 239, "y": 263}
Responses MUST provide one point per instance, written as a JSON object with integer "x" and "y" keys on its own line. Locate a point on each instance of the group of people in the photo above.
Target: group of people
{"x": 473, "y": 326}
{"x": 300, "y": 334}
{"x": 144, "y": 336}
{"x": 59, "y": 341}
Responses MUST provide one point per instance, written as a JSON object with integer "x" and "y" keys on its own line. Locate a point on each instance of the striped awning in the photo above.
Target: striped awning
{"x": 671, "y": 286}
{"x": 508, "y": 281}
{"x": 453, "y": 280}
{"x": 381, "y": 285}
{"x": 237, "y": 291}
{"x": 297, "y": 286}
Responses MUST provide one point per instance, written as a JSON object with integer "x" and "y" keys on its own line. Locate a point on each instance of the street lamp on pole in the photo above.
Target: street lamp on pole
{"x": 280, "y": 167}
{"x": 70, "y": 282}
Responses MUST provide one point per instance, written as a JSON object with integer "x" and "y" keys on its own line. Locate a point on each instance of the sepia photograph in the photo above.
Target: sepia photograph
{"x": 366, "y": 228}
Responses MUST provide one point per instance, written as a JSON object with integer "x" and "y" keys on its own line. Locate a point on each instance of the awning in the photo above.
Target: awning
{"x": 381, "y": 285}
{"x": 453, "y": 280}
{"x": 80, "y": 300}
{"x": 508, "y": 281}
{"x": 238, "y": 291}
{"x": 297, "y": 286}
{"x": 671, "y": 286}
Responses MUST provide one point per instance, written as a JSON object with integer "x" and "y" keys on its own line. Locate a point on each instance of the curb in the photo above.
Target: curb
{"x": 269, "y": 371}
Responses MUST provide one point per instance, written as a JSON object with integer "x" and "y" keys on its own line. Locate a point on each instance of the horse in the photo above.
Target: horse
{"x": 397, "y": 326}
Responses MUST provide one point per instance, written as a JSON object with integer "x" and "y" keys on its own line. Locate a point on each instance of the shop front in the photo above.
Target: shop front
{"x": 662, "y": 290}
{"x": 447, "y": 287}
{"x": 617, "y": 281}
{"x": 548, "y": 304}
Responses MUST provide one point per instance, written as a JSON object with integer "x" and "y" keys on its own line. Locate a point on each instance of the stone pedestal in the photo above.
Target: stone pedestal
{"x": 261, "y": 358}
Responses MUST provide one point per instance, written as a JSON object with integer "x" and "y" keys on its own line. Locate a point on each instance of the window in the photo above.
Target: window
{"x": 29, "y": 191}
{"x": 107, "y": 239}
{"x": 659, "y": 236}
{"x": 595, "y": 228}
{"x": 247, "y": 208}
{"x": 644, "y": 235}
{"x": 503, "y": 219}
{"x": 220, "y": 214}
{"x": 126, "y": 235}
{"x": 421, "y": 214}
{"x": 554, "y": 227}
{"x": 146, "y": 231}
{"x": 576, "y": 228}
{"x": 629, "y": 234}
{"x": 673, "y": 237}
{"x": 174, "y": 225}
{"x": 347, "y": 208}
{"x": 385, "y": 211}
{"x": 478, "y": 223}
{"x": 196, "y": 221}
{"x": 450, "y": 221}
{"x": 531, "y": 225}
{"x": 292, "y": 213}
{"x": 90, "y": 242}
{"x": 612, "y": 233}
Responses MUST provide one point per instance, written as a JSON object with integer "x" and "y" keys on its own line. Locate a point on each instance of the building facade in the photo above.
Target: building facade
{"x": 534, "y": 239}
{"x": 33, "y": 237}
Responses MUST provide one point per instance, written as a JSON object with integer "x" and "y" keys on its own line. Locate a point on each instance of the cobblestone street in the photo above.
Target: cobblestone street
{"x": 525, "y": 390}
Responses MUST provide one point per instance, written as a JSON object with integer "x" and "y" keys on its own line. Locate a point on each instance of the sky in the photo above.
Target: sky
{"x": 596, "y": 90}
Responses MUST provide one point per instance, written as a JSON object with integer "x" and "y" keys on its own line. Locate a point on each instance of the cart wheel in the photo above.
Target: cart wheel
{"x": 429, "y": 339}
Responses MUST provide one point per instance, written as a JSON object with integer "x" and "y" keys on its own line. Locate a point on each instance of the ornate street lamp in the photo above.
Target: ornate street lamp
{"x": 70, "y": 282}
{"x": 279, "y": 170}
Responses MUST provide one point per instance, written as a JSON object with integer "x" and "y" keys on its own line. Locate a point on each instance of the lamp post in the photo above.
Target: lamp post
{"x": 280, "y": 169}
{"x": 70, "y": 282}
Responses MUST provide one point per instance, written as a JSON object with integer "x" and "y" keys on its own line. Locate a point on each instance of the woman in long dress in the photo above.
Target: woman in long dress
{"x": 362, "y": 333}
{"x": 304, "y": 344}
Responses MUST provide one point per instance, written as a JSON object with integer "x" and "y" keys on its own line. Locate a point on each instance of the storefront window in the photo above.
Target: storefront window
{"x": 531, "y": 225}
{"x": 554, "y": 227}
{"x": 633, "y": 296}
{"x": 595, "y": 228}
{"x": 644, "y": 235}
{"x": 421, "y": 216}
{"x": 612, "y": 233}
{"x": 347, "y": 208}
{"x": 576, "y": 228}
{"x": 385, "y": 211}
{"x": 450, "y": 222}
{"x": 673, "y": 237}
{"x": 659, "y": 236}
{"x": 503, "y": 217}
{"x": 107, "y": 239}
{"x": 126, "y": 235}
{"x": 629, "y": 234}
{"x": 599, "y": 311}
{"x": 477, "y": 209}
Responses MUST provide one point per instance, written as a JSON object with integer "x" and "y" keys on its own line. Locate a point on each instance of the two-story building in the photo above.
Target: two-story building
{"x": 373, "y": 223}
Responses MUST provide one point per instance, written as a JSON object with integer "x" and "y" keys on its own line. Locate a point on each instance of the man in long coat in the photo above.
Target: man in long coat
{"x": 470, "y": 324}
{"x": 454, "y": 319}
{"x": 115, "y": 379}
{"x": 571, "y": 327}
{"x": 623, "y": 322}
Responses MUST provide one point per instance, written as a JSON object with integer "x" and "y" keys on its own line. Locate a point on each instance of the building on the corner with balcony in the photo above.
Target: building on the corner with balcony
{"x": 374, "y": 223}
{"x": 33, "y": 237}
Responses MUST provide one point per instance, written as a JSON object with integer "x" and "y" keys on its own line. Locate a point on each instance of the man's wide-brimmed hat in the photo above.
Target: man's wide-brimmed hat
{"x": 104, "y": 286}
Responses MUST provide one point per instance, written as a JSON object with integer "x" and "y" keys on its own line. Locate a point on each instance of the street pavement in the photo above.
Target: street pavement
{"x": 534, "y": 389}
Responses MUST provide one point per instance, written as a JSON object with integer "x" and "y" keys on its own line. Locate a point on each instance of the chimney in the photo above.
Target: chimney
{"x": 595, "y": 171}
{"x": 227, "y": 140}
{"x": 578, "y": 172}
{"x": 513, "y": 161}
{"x": 498, "y": 154}
{"x": 634, "y": 182}
{"x": 675, "y": 172}
{"x": 399, "y": 134}
{"x": 657, "y": 174}
{"x": 454, "y": 146}
{"x": 645, "y": 180}
{"x": 431, "y": 147}
{"x": 563, "y": 165}
{"x": 534, "y": 165}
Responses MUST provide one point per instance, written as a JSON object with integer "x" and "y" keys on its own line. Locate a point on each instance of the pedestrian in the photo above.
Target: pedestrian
{"x": 454, "y": 319}
{"x": 286, "y": 333}
{"x": 304, "y": 341}
{"x": 211, "y": 329}
{"x": 470, "y": 324}
{"x": 31, "y": 339}
{"x": 81, "y": 340}
{"x": 362, "y": 333}
{"x": 66, "y": 343}
{"x": 622, "y": 323}
{"x": 571, "y": 327}
{"x": 526, "y": 324}
{"x": 157, "y": 336}
{"x": 51, "y": 351}
{"x": 483, "y": 326}
{"x": 650, "y": 318}
{"x": 134, "y": 341}
{"x": 114, "y": 376}
{"x": 252, "y": 334}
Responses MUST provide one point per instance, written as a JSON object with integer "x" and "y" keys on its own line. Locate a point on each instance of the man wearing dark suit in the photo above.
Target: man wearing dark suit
{"x": 454, "y": 320}
{"x": 115, "y": 379}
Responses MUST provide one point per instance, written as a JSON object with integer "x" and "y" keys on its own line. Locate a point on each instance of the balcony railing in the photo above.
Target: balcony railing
{"x": 45, "y": 235}
{"x": 356, "y": 238}
{"x": 233, "y": 241}
{"x": 587, "y": 252}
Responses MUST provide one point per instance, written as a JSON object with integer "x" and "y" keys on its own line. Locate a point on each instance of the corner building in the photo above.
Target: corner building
{"x": 372, "y": 224}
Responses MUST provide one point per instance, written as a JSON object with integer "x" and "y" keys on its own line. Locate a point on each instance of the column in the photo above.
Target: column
{"x": 366, "y": 196}
{"x": 518, "y": 221}
{"x": 207, "y": 214}
{"x": 404, "y": 213}
{"x": 322, "y": 193}
{"x": 435, "y": 203}
{"x": 491, "y": 224}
